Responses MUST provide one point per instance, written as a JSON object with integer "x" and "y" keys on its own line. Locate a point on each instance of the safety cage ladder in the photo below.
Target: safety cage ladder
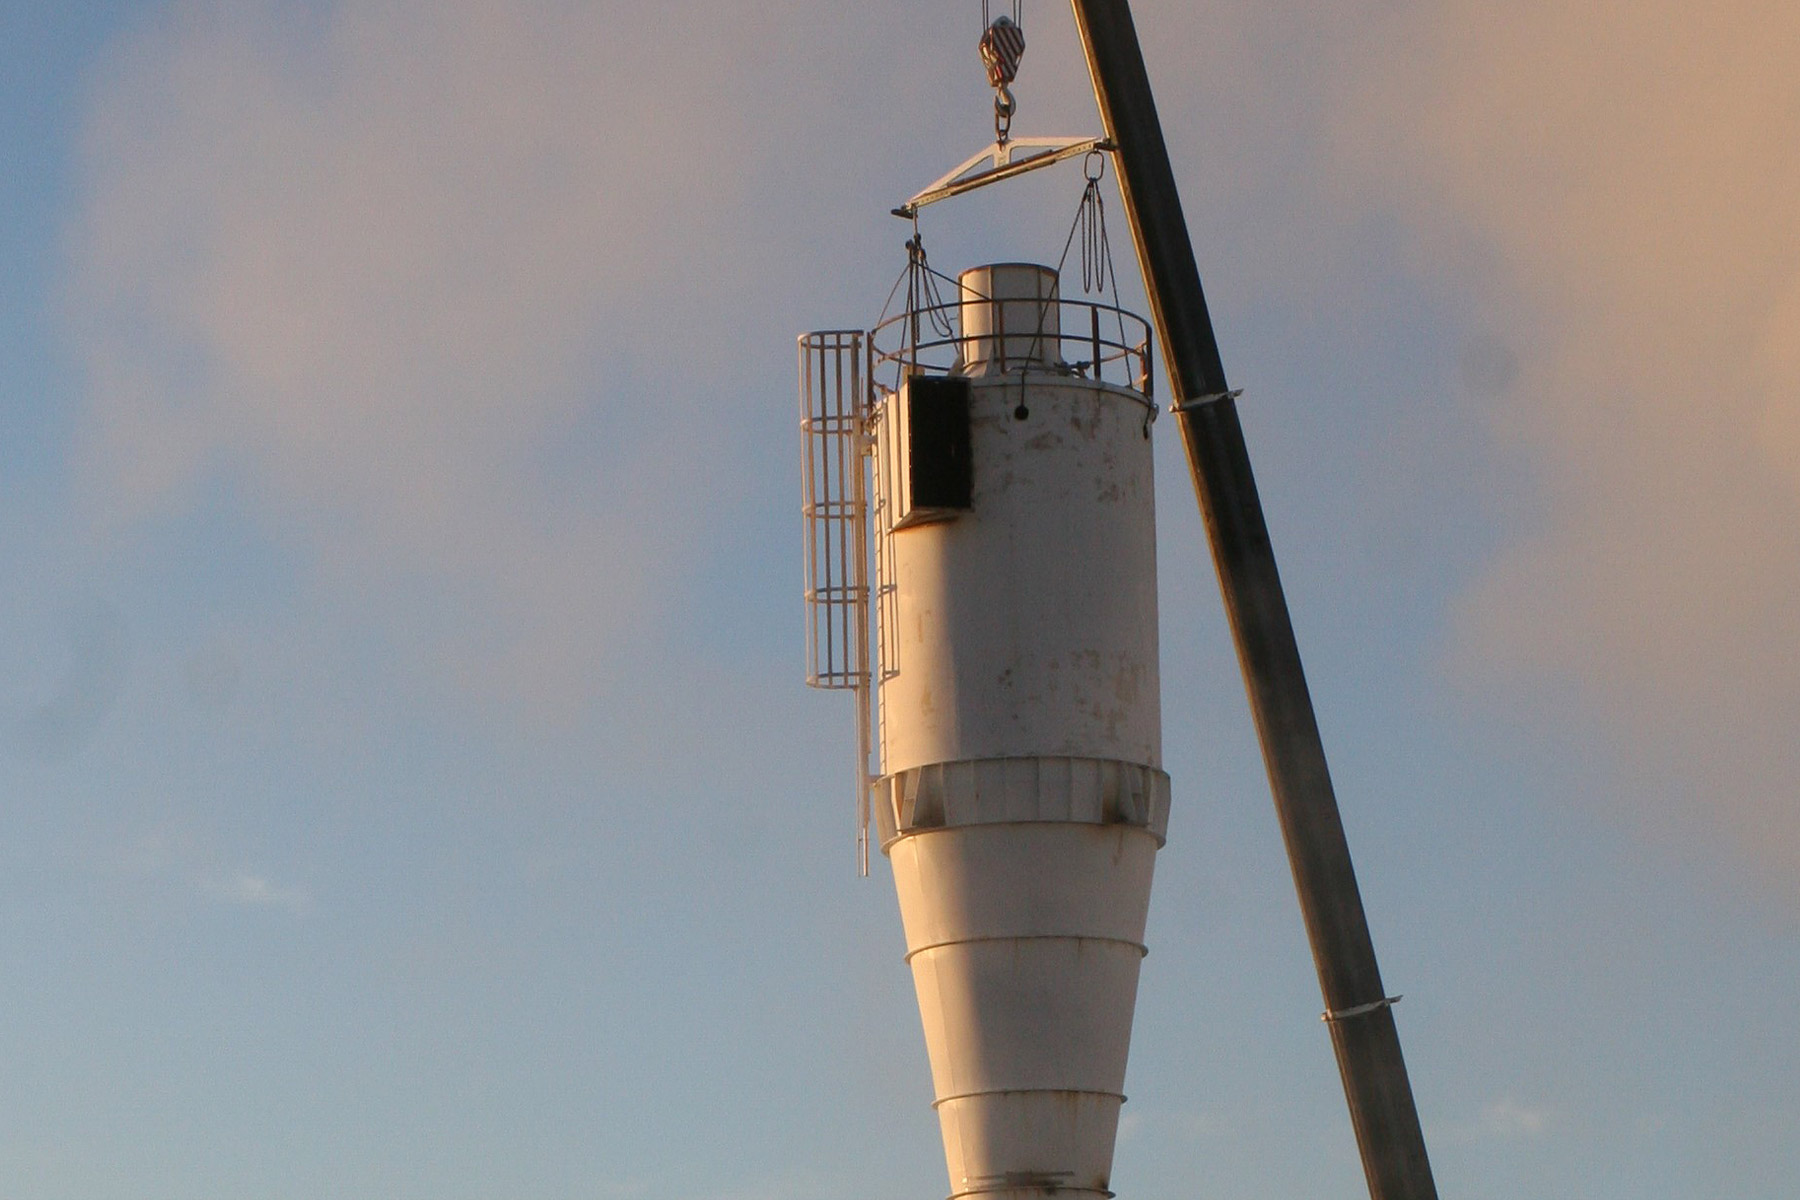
{"x": 834, "y": 387}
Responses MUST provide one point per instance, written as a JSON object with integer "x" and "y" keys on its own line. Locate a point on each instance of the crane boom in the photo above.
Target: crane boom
{"x": 1358, "y": 1010}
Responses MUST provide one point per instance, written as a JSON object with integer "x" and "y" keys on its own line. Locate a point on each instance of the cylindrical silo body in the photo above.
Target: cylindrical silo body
{"x": 1022, "y": 799}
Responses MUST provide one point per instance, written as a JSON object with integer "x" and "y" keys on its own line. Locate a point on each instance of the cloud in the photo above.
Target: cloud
{"x": 440, "y": 289}
{"x": 62, "y": 722}
{"x": 173, "y": 855}
{"x": 1184, "y": 1124}
{"x": 1614, "y": 185}
{"x": 254, "y": 891}
{"x": 1507, "y": 1118}
{"x": 403, "y": 276}
{"x": 1502, "y": 1120}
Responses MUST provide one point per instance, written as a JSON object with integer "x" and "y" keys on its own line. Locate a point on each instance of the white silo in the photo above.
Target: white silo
{"x": 1017, "y": 789}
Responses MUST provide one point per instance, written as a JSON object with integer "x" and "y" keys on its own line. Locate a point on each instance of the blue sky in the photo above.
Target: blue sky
{"x": 408, "y": 785}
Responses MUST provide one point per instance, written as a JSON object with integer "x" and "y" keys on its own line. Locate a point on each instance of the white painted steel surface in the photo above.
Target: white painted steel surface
{"x": 1022, "y": 799}
{"x": 1025, "y": 941}
{"x": 1010, "y": 317}
{"x": 1027, "y": 626}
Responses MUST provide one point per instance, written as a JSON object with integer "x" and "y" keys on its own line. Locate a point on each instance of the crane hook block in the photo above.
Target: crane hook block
{"x": 1002, "y": 46}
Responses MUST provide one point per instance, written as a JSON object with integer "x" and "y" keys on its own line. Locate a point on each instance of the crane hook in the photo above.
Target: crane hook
{"x": 1002, "y": 46}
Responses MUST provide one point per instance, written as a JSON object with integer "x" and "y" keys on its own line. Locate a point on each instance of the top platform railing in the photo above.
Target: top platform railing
{"x": 1078, "y": 338}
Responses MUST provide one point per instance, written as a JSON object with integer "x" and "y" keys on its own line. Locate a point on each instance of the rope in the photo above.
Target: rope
{"x": 924, "y": 299}
{"x": 922, "y": 292}
{"x": 1018, "y": 10}
{"x": 1090, "y": 225}
{"x": 1098, "y": 271}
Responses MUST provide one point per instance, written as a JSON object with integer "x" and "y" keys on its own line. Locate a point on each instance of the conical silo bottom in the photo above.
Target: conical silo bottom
{"x": 1025, "y": 942}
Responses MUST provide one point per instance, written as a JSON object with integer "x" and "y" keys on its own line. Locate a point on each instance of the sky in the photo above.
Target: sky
{"x": 407, "y": 783}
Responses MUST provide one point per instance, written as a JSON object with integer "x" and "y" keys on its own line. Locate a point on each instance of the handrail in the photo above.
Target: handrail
{"x": 1096, "y": 352}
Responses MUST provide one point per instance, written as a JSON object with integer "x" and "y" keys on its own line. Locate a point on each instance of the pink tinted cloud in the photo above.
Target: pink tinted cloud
{"x": 1627, "y": 174}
